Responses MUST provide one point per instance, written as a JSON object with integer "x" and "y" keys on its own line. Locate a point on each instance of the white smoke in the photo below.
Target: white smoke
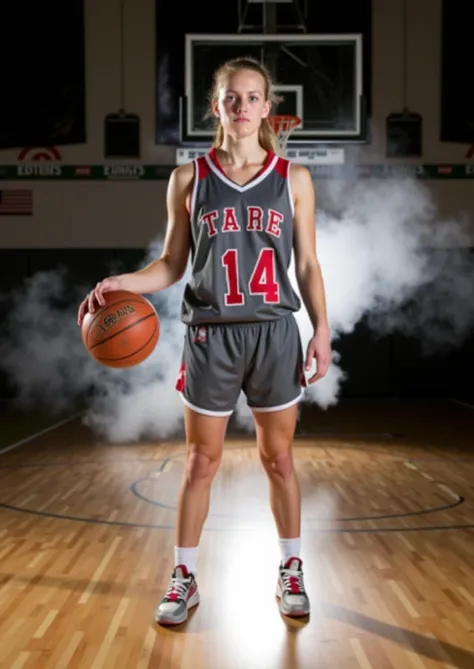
{"x": 385, "y": 257}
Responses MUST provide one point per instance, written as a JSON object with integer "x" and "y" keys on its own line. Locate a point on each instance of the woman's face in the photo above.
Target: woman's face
{"x": 241, "y": 103}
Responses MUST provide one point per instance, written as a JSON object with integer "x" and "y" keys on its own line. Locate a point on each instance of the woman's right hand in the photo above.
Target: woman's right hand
{"x": 96, "y": 296}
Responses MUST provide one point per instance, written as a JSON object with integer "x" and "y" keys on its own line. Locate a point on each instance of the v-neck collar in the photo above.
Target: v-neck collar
{"x": 216, "y": 167}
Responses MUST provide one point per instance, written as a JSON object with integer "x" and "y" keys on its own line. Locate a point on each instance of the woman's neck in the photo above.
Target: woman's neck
{"x": 242, "y": 152}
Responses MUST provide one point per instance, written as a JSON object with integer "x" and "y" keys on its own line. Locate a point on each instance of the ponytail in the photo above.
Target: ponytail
{"x": 267, "y": 138}
{"x": 218, "y": 136}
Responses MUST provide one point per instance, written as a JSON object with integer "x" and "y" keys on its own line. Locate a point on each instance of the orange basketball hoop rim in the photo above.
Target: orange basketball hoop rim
{"x": 283, "y": 125}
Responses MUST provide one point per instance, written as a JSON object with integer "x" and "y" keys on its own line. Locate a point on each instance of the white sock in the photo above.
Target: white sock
{"x": 186, "y": 556}
{"x": 290, "y": 548}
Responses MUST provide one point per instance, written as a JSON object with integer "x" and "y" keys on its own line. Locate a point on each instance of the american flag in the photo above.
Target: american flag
{"x": 16, "y": 202}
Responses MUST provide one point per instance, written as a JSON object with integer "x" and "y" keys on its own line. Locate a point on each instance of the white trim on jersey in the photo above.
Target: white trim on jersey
{"x": 195, "y": 188}
{"x": 232, "y": 184}
{"x": 290, "y": 193}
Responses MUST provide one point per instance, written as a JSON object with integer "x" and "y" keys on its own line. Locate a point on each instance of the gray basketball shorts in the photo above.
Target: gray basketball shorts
{"x": 264, "y": 360}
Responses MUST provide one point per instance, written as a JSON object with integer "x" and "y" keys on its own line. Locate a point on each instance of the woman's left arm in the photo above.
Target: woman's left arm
{"x": 308, "y": 271}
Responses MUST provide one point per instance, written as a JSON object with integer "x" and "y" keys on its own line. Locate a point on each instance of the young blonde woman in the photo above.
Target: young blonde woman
{"x": 240, "y": 211}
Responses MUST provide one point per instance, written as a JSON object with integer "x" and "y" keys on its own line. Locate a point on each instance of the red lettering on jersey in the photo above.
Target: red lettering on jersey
{"x": 273, "y": 224}
{"x": 209, "y": 219}
{"x": 263, "y": 280}
{"x": 254, "y": 219}
{"x": 233, "y": 295}
{"x": 230, "y": 222}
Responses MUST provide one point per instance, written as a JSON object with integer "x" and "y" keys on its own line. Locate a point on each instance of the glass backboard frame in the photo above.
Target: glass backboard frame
{"x": 190, "y": 135}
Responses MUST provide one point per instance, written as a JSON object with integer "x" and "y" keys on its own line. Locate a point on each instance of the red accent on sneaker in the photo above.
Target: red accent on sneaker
{"x": 287, "y": 564}
{"x": 294, "y": 585}
{"x": 184, "y": 570}
{"x": 294, "y": 581}
{"x": 174, "y": 595}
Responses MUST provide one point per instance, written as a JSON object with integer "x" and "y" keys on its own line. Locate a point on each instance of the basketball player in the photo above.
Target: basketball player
{"x": 239, "y": 210}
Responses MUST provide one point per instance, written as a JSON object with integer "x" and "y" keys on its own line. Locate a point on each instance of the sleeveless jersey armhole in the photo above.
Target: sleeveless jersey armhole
{"x": 192, "y": 204}
{"x": 290, "y": 192}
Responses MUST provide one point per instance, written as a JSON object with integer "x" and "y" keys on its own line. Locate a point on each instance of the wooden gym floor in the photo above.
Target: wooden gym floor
{"x": 86, "y": 547}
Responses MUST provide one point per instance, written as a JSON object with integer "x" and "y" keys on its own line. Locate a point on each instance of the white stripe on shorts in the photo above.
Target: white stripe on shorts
{"x": 205, "y": 412}
{"x": 279, "y": 407}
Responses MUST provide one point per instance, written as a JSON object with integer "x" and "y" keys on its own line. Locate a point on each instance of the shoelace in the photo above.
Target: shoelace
{"x": 292, "y": 581}
{"x": 178, "y": 587}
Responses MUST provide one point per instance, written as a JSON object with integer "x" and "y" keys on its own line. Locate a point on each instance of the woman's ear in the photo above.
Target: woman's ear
{"x": 266, "y": 109}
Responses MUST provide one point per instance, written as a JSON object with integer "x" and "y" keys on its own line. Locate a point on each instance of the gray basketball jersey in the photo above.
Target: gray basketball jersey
{"x": 241, "y": 245}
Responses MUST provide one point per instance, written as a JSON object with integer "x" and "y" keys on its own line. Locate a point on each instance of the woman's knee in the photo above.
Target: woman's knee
{"x": 201, "y": 467}
{"x": 279, "y": 465}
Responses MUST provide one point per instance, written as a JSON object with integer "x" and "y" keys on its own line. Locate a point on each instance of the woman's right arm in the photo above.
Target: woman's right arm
{"x": 170, "y": 267}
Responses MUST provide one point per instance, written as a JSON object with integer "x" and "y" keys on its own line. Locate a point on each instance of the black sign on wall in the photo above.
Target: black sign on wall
{"x": 457, "y": 91}
{"x": 404, "y": 135}
{"x": 42, "y": 73}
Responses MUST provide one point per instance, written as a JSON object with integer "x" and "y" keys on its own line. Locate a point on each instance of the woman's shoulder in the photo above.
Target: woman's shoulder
{"x": 300, "y": 175}
{"x": 182, "y": 176}
{"x": 184, "y": 171}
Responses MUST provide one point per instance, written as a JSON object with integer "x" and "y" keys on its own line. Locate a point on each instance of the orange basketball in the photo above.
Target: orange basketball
{"x": 123, "y": 332}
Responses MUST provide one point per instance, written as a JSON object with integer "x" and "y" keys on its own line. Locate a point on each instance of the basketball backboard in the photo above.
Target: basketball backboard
{"x": 319, "y": 78}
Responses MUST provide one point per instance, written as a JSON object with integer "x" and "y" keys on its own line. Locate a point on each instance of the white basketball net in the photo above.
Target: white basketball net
{"x": 282, "y": 126}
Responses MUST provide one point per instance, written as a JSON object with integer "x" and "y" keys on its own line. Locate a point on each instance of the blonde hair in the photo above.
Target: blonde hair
{"x": 266, "y": 135}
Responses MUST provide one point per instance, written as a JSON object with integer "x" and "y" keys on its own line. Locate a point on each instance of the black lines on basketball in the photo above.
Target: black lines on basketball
{"x": 153, "y": 334}
{"x": 127, "y": 327}
{"x": 100, "y": 314}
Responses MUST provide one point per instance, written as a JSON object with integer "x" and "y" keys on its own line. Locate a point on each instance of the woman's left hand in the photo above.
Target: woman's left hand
{"x": 319, "y": 348}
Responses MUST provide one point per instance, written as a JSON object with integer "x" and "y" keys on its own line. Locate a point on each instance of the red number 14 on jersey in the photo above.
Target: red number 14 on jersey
{"x": 262, "y": 280}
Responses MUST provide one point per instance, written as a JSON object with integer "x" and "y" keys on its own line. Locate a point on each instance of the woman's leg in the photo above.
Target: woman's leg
{"x": 204, "y": 442}
{"x": 275, "y": 432}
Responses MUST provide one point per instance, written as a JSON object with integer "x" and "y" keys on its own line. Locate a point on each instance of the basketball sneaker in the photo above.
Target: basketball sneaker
{"x": 294, "y": 601}
{"x": 182, "y": 594}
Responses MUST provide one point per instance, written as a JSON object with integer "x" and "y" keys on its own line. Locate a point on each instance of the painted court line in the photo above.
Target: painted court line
{"x": 440, "y": 485}
{"x": 463, "y": 404}
{"x": 31, "y": 437}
